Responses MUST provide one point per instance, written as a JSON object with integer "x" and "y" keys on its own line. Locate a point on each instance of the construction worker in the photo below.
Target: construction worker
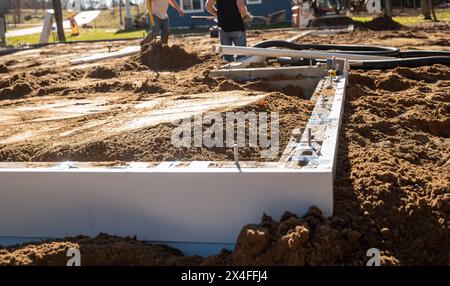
{"x": 231, "y": 15}
{"x": 73, "y": 23}
{"x": 161, "y": 19}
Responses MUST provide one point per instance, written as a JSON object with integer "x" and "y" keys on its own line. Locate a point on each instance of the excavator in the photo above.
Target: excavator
{"x": 318, "y": 13}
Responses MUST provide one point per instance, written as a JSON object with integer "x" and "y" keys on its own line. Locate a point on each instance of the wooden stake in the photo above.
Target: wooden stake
{"x": 59, "y": 20}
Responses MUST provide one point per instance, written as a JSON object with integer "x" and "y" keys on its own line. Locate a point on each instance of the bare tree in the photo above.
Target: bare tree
{"x": 388, "y": 8}
{"x": 426, "y": 9}
{"x": 18, "y": 14}
{"x": 433, "y": 13}
{"x": 113, "y": 10}
{"x": 35, "y": 4}
{"x": 59, "y": 19}
{"x": 120, "y": 12}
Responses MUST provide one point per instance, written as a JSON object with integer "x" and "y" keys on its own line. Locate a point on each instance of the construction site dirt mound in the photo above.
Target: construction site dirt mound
{"x": 130, "y": 87}
{"x": 102, "y": 72}
{"x": 17, "y": 90}
{"x": 154, "y": 143}
{"x": 3, "y": 68}
{"x": 391, "y": 186}
{"x": 441, "y": 42}
{"x": 381, "y": 23}
{"x": 391, "y": 191}
{"x": 38, "y": 82}
{"x": 429, "y": 74}
{"x": 309, "y": 240}
{"x": 102, "y": 250}
{"x": 393, "y": 83}
{"x": 158, "y": 56}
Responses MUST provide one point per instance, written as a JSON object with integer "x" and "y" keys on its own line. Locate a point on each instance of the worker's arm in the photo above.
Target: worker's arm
{"x": 243, "y": 9}
{"x": 177, "y": 7}
{"x": 211, "y": 8}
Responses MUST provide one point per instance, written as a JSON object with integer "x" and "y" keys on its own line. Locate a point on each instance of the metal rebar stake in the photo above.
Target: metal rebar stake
{"x": 309, "y": 136}
{"x": 236, "y": 156}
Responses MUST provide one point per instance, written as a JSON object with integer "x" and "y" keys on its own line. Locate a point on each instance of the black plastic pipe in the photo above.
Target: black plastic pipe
{"x": 344, "y": 49}
{"x": 412, "y": 58}
{"x": 423, "y": 53}
{"x": 405, "y": 62}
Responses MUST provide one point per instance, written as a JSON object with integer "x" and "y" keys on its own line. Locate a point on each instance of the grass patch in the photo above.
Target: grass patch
{"x": 85, "y": 35}
{"x": 408, "y": 20}
{"x": 105, "y": 34}
{"x": 106, "y": 19}
{"x": 109, "y": 19}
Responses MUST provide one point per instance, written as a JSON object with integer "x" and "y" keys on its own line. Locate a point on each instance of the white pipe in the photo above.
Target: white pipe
{"x": 269, "y": 52}
{"x": 128, "y": 51}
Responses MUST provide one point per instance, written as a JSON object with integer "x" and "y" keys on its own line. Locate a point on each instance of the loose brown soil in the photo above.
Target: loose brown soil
{"x": 393, "y": 174}
{"x": 93, "y": 114}
{"x": 381, "y": 23}
{"x": 103, "y": 112}
{"x": 102, "y": 73}
{"x": 162, "y": 57}
{"x": 392, "y": 182}
{"x": 101, "y": 250}
{"x": 3, "y": 69}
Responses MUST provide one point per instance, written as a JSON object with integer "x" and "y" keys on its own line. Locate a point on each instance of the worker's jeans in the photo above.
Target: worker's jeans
{"x": 161, "y": 26}
{"x": 238, "y": 38}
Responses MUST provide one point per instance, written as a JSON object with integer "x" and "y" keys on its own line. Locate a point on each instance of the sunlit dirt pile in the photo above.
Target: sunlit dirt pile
{"x": 158, "y": 56}
{"x": 125, "y": 83}
{"x": 102, "y": 250}
{"x": 102, "y": 73}
{"x": 3, "y": 68}
{"x": 392, "y": 183}
{"x": 310, "y": 240}
{"x": 393, "y": 174}
{"x": 391, "y": 189}
{"x": 154, "y": 143}
{"x": 37, "y": 83}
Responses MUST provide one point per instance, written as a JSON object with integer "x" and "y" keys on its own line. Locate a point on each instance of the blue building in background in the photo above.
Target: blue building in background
{"x": 197, "y": 8}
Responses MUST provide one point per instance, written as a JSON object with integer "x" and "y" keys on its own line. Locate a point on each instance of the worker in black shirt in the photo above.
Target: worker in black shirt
{"x": 231, "y": 15}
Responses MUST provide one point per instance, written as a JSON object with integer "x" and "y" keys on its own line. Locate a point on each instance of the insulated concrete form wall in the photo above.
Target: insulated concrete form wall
{"x": 200, "y": 202}
{"x": 171, "y": 205}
